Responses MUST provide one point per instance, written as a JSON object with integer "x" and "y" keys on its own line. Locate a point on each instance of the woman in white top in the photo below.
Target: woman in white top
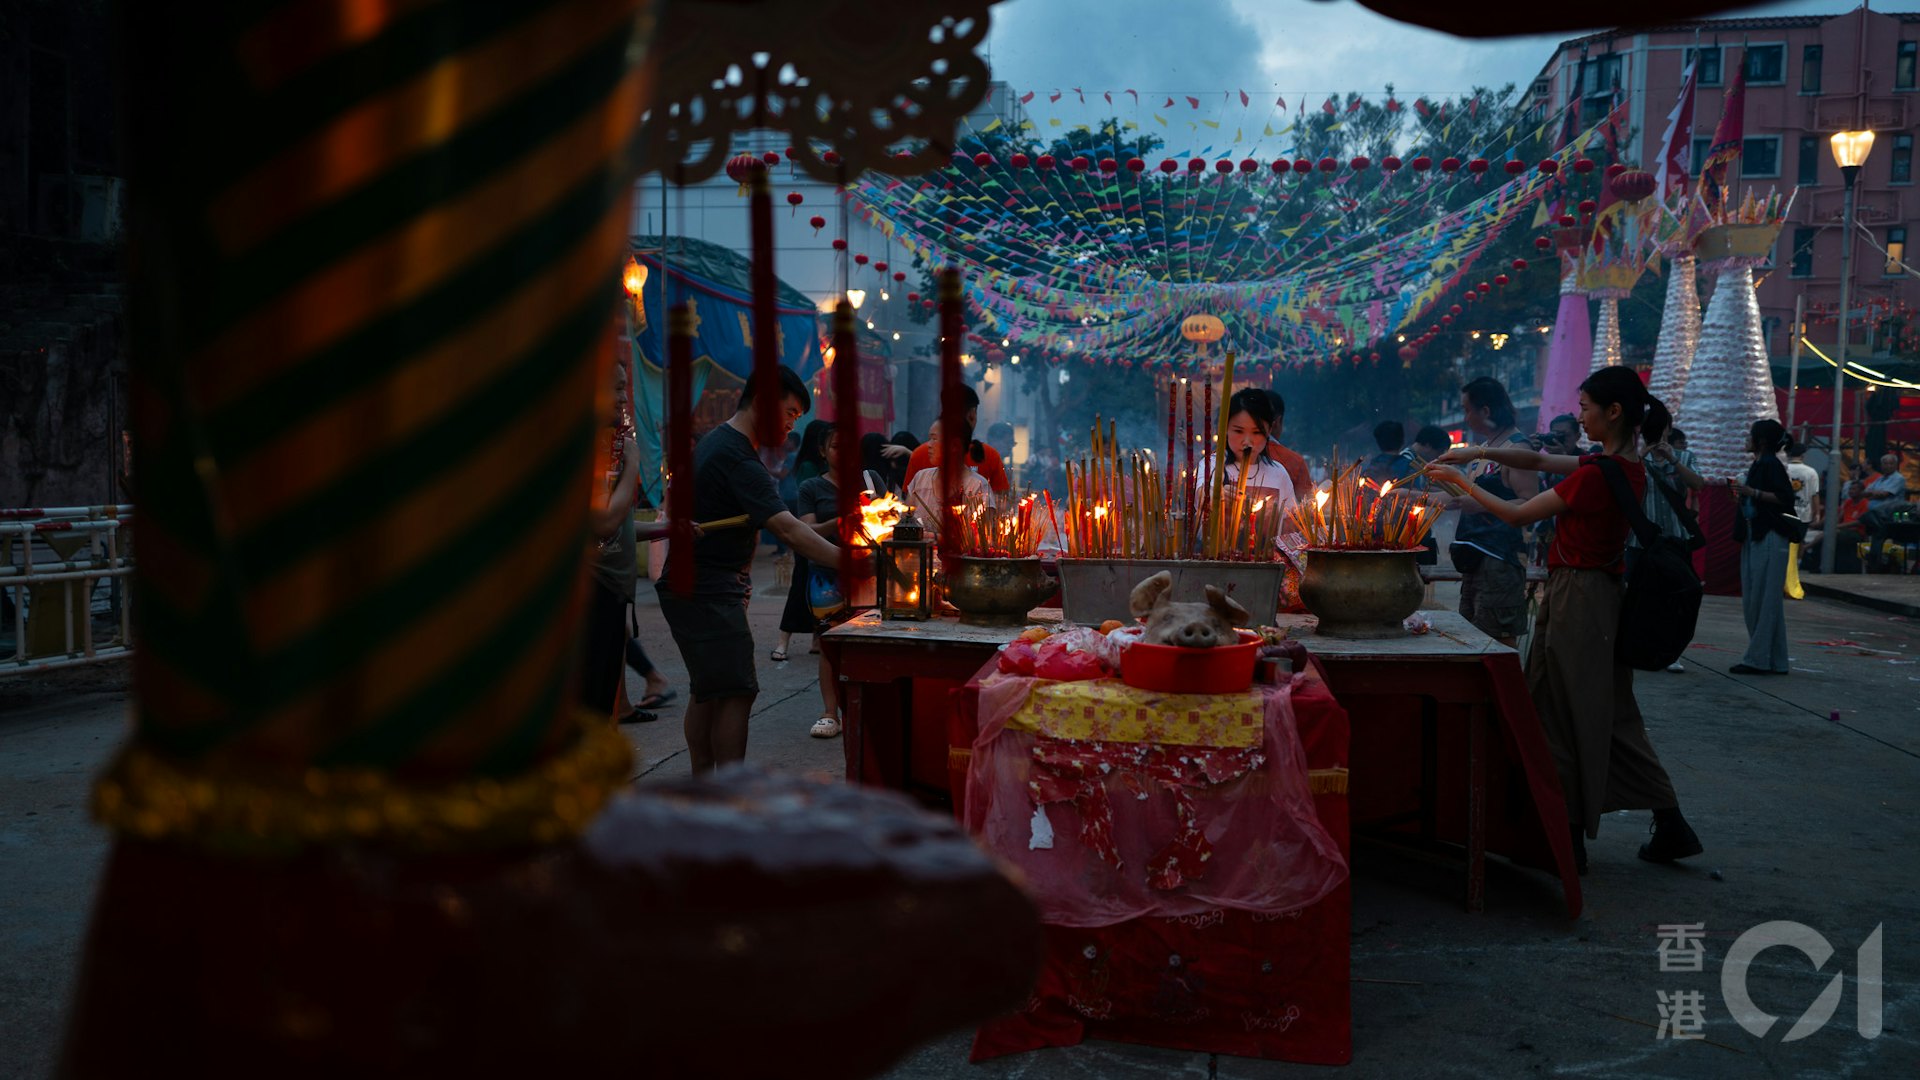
{"x": 923, "y": 491}
{"x": 1249, "y": 425}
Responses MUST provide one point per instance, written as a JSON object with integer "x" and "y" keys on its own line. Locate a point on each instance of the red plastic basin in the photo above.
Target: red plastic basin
{"x": 1171, "y": 669}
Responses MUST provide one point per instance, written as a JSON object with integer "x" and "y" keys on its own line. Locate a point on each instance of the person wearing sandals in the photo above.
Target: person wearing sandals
{"x": 819, "y": 509}
{"x": 1584, "y": 695}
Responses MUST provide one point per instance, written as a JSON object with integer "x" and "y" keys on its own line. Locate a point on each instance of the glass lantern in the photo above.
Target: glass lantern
{"x": 906, "y": 572}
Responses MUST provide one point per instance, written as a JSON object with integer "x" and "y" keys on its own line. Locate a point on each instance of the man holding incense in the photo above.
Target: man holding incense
{"x": 734, "y": 497}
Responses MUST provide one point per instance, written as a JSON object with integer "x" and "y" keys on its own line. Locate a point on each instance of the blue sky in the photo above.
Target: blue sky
{"x": 1271, "y": 48}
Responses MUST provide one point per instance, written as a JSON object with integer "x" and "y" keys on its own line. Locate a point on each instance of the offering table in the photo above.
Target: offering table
{"x": 1447, "y": 749}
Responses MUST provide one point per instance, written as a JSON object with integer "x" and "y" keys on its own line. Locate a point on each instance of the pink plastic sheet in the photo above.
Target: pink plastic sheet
{"x": 1106, "y": 832}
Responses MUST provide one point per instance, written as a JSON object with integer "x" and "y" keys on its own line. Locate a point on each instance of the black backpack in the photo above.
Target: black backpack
{"x": 1662, "y": 604}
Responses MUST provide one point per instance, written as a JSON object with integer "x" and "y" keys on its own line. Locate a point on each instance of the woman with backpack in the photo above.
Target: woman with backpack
{"x": 1763, "y": 531}
{"x": 1583, "y": 693}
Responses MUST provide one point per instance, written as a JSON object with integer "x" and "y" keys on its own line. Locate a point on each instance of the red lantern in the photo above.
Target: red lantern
{"x": 983, "y": 159}
{"x": 740, "y": 167}
{"x": 1282, "y": 167}
{"x": 1373, "y": 358}
{"x": 1485, "y": 288}
{"x": 1408, "y": 352}
{"x": 1587, "y": 206}
{"x": 914, "y": 298}
{"x": 1108, "y": 165}
{"x": 1390, "y": 163}
{"x": 1195, "y": 165}
{"x": 1542, "y": 243}
{"x": 792, "y": 153}
{"x": 1632, "y": 185}
{"x": 1135, "y": 165}
{"x": 1515, "y": 167}
{"x": 839, "y": 244}
{"x": 1422, "y": 163}
{"x": 1477, "y": 166}
{"x": 1447, "y": 320}
{"x": 1019, "y": 161}
{"x": 926, "y": 305}
{"x": 1045, "y": 162}
{"x": 1248, "y": 165}
{"x": 794, "y": 198}
{"x": 831, "y": 157}
{"x": 1521, "y": 264}
{"x": 1223, "y": 166}
{"x": 817, "y": 222}
{"x": 859, "y": 260}
{"x": 1302, "y": 166}
{"x": 1549, "y": 166}
{"x": 1359, "y": 164}
{"x": 1454, "y": 310}
{"x": 1079, "y": 163}
{"x": 1567, "y": 220}
{"x": 1615, "y": 169}
{"x": 1470, "y": 296}
{"x": 1328, "y": 165}
{"x": 899, "y": 275}
{"x": 1583, "y": 166}
{"x": 1450, "y": 164}
{"x": 880, "y": 266}
{"x": 770, "y": 158}
{"x": 1169, "y": 166}
{"x": 1500, "y": 280}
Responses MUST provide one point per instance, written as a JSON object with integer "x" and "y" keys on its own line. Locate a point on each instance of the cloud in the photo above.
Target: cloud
{"x": 1291, "y": 48}
{"x": 1117, "y": 44}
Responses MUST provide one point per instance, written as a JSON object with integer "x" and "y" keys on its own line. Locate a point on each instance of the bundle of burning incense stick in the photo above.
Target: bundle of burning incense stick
{"x": 1352, "y": 514}
{"x": 988, "y": 532}
{"x": 1121, "y": 505}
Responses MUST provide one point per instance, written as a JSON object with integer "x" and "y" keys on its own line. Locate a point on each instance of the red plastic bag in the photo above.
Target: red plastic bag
{"x": 1067, "y": 664}
{"x": 1017, "y": 658}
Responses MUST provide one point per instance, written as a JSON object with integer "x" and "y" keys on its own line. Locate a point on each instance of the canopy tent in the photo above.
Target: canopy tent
{"x": 717, "y": 281}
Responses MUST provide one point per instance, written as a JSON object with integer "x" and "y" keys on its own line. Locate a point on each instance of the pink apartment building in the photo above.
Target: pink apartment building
{"x": 1807, "y": 77}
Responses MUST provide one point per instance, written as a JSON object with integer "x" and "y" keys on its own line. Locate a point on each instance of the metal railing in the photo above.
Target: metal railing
{"x": 31, "y": 561}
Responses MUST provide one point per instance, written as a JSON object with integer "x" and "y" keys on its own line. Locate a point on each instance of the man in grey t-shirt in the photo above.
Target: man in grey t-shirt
{"x": 709, "y": 623}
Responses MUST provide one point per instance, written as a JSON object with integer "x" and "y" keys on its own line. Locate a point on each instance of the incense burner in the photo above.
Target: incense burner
{"x": 1361, "y": 594}
{"x": 995, "y": 592}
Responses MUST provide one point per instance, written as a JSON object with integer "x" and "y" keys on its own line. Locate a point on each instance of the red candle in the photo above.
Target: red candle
{"x": 766, "y": 334}
{"x": 846, "y": 403}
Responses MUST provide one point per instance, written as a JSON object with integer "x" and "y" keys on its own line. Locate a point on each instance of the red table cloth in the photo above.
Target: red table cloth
{"x": 1202, "y": 967}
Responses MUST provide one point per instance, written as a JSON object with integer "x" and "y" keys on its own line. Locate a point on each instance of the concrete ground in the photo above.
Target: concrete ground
{"x": 1805, "y": 789}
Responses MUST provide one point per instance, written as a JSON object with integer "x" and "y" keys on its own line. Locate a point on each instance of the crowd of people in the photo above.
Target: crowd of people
{"x": 1577, "y": 499}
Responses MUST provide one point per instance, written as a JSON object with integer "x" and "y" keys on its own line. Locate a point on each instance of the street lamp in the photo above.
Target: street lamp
{"x": 1850, "y": 150}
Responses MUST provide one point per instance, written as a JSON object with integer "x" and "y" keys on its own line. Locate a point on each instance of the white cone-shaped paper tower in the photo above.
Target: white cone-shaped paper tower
{"x": 1679, "y": 333}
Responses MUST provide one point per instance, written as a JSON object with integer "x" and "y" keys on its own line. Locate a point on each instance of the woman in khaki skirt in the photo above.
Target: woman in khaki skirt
{"x": 1585, "y": 697}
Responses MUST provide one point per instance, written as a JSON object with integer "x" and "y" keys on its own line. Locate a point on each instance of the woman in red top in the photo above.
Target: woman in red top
{"x": 1584, "y": 696}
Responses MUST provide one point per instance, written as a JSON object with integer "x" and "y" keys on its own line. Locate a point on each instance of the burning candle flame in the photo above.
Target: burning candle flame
{"x": 1320, "y": 499}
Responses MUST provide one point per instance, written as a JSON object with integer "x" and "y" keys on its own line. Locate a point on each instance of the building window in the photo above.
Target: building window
{"x": 1810, "y": 69}
{"x": 1599, "y": 74}
{"x": 1803, "y": 252}
{"x": 1760, "y": 157}
{"x": 1593, "y": 110}
{"x": 1700, "y": 148}
{"x": 1766, "y": 64}
{"x": 1896, "y": 250}
{"x": 1809, "y": 160}
{"x": 1902, "y": 160}
{"x": 1903, "y": 66}
{"x": 1709, "y": 69}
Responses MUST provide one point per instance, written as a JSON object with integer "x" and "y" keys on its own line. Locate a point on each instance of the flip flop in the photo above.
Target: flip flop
{"x": 639, "y": 716}
{"x": 654, "y": 701}
{"x": 779, "y": 656}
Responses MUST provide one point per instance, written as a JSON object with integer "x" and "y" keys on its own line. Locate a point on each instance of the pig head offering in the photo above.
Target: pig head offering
{"x": 1187, "y": 624}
